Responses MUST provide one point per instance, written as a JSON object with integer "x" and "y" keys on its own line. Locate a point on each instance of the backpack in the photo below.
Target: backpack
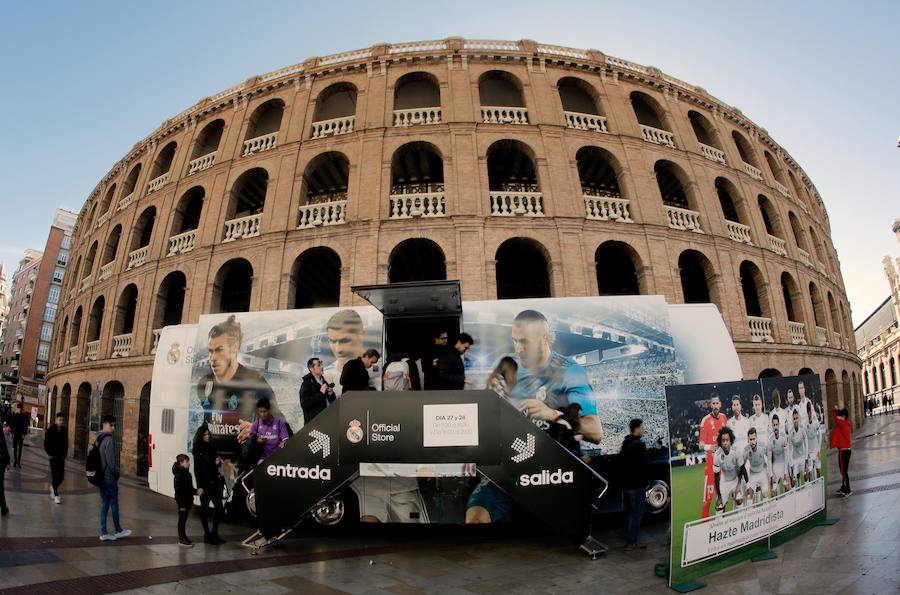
{"x": 396, "y": 376}
{"x": 93, "y": 467}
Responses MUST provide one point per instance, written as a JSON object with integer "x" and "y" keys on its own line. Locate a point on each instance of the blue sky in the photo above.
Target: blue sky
{"x": 82, "y": 82}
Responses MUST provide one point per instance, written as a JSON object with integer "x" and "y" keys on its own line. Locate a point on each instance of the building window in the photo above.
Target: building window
{"x": 66, "y": 242}
{"x": 58, "y": 274}
{"x": 43, "y": 352}
{"x": 50, "y": 313}
{"x": 53, "y": 294}
{"x": 47, "y": 332}
{"x": 62, "y": 258}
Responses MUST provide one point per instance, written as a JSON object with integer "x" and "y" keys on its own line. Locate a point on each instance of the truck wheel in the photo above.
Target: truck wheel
{"x": 251, "y": 502}
{"x": 657, "y": 497}
{"x": 329, "y": 512}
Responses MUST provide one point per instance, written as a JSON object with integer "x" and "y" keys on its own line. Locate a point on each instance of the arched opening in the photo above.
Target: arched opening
{"x": 131, "y": 181}
{"x": 847, "y": 392}
{"x": 798, "y": 190}
{"x": 163, "y": 162}
{"x": 416, "y": 90}
{"x": 617, "y": 265}
{"x": 831, "y": 389}
{"x": 744, "y": 149}
{"x": 881, "y": 378}
{"x": 754, "y": 289}
{"x": 143, "y": 229}
{"x": 597, "y": 171}
{"x": 89, "y": 221}
{"x": 125, "y": 311}
{"x": 768, "y": 215}
{"x": 698, "y": 278}
{"x": 818, "y": 305}
{"x": 75, "y": 333}
{"x": 143, "y": 433}
{"x": 170, "y": 300}
{"x": 112, "y": 245}
{"x": 248, "y": 194}
{"x": 416, "y": 259}
{"x": 511, "y": 168}
{"x": 89, "y": 261}
{"x": 417, "y": 168}
{"x": 498, "y": 88}
{"x": 325, "y": 179}
{"x": 893, "y": 369}
{"x": 106, "y": 205}
{"x": 647, "y": 110}
{"x": 265, "y": 120}
{"x": 523, "y": 269}
{"x": 776, "y": 170}
{"x": 669, "y": 179}
{"x": 866, "y": 381}
{"x": 82, "y": 421}
{"x": 54, "y": 405}
{"x": 187, "y": 212}
{"x": 61, "y": 339}
{"x": 95, "y": 320}
{"x": 63, "y": 404}
{"x": 797, "y": 230}
{"x": 233, "y": 287}
{"x": 112, "y": 402}
{"x": 770, "y": 373}
{"x": 336, "y": 101}
{"x": 726, "y": 192}
{"x": 704, "y": 130}
{"x": 208, "y": 140}
{"x": 578, "y": 96}
{"x": 816, "y": 244}
{"x": 315, "y": 279}
{"x": 792, "y": 297}
{"x": 806, "y": 372}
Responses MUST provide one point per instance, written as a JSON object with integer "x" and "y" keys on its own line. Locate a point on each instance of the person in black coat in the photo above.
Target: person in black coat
{"x": 315, "y": 392}
{"x": 18, "y": 425}
{"x": 184, "y": 495}
{"x": 4, "y": 463}
{"x": 633, "y": 463}
{"x": 206, "y": 467}
{"x": 451, "y": 370}
{"x": 355, "y": 375}
{"x": 431, "y": 357}
{"x": 56, "y": 445}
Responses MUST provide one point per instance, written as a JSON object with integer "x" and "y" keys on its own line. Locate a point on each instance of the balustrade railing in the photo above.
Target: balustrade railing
{"x": 738, "y": 232}
{"x": 333, "y": 127}
{"x": 712, "y": 153}
{"x": 821, "y": 336}
{"x": 73, "y": 354}
{"x": 106, "y": 271}
{"x": 684, "y": 219}
{"x": 798, "y": 332}
{"x": 782, "y": 189}
{"x": 122, "y": 345}
{"x": 660, "y": 137}
{"x": 504, "y": 115}
{"x": 137, "y": 257}
{"x": 751, "y": 171}
{"x": 416, "y": 116}
{"x": 61, "y": 359}
{"x": 91, "y": 349}
{"x": 125, "y": 201}
{"x": 835, "y": 340}
{"x": 242, "y": 227}
{"x": 325, "y": 213}
{"x": 407, "y": 206}
{"x": 201, "y": 163}
{"x": 580, "y": 121}
{"x": 760, "y": 329}
{"x": 157, "y": 183}
{"x": 512, "y": 204}
{"x": 182, "y": 243}
{"x": 85, "y": 283}
{"x": 260, "y": 144}
{"x": 102, "y": 219}
{"x": 804, "y": 257}
{"x": 777, "y": 245}
{"x": 607, "y": 208}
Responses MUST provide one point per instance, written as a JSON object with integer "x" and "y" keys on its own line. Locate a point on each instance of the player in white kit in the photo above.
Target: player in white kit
{"x": 784, "y": 422}
{"x": 740, "y": 425}
{"x": 778, "y": 445}
{"x": 726, "y": 463}
{"x": 797, "y": 439}
{"x": 763, "y": 425}
{"x": 813, "y": 443}
{"x": 756, "y": 457}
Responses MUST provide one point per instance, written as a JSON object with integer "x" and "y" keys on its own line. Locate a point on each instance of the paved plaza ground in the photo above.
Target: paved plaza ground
{"x": 50, "y": 548}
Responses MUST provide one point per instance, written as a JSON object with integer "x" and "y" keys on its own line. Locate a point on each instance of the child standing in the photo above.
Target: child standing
{"x": 184, "y": 495}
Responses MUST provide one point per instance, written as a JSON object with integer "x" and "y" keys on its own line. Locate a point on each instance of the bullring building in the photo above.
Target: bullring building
{"x": 521, "y": 169}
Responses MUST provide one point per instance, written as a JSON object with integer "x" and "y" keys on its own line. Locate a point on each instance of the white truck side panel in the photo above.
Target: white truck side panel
{"x": 702, "y": 341}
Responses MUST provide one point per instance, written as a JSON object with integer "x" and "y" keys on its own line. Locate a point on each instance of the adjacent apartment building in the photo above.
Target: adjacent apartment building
{"x": 36, "y": 290}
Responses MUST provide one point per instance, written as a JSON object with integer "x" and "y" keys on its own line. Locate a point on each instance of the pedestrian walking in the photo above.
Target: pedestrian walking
{"x": 840, "y": 439}
{"x": 451, "y": 369}
{"x": 207, "y": 465}
{"x": 56, "y": 445}
{"x": 4, "y": 464}
{"x": 184, "y": 495}
{"x": 109, "y": 489}
{"x": 633, "y": 461}
{"x": 18, "y": 425}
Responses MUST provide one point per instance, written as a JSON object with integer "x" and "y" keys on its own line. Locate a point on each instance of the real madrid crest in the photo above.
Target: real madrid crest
{"x": 355, "y": 431}
{"x": 174, "y": 354}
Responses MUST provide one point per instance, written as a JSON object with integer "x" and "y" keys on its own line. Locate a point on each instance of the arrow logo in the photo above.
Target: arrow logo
{"x": 321, "y": 442}
{"x": 523, "y": 448}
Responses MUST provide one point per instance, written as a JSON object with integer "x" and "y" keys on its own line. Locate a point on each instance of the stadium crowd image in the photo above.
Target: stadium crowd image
{"x": 523, "y": 170}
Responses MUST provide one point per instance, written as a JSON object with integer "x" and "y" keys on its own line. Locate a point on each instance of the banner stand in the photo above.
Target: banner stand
{"x": 827, "y": 522}
{"x": 688, "y": 586}
{"x": 766, "y": 555}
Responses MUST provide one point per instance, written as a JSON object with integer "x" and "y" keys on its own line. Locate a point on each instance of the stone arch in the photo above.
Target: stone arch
{"x": 95, "y": 319}
{"x": 416, "y": 259}
{"x": 792, "y": 297}
{"x": 699, "y": 280}
{"x": 648, "y": 111}
{"x": 598, "y": 172}
{"x": 82, "y": 421}
{"x": 704, "y": 130}
{"x": 170, "y": 298}
{"x": 186, "y": 216}
{"x": 265, "y": 119}
{"x": 674, "y": 185}
{"x": 233, "y": 287}
{"x": 248, "y": 194}
{"x": 755, "y": 290}
{"x": 578, "y": 96}
{"x": 619, "y": 269}
{"x": 208, "y": 140}
{"x": 315, "y": 280}
{"x": 416, "y": 90}
{"x": 770, "y": 373}
{"x": 143, "y": 432}
{"x": 163, "y": 162}
{"x": 523, "y": 269}
{"x": 499, "y": 88}
{"x": 325, "y": 179}
{"x": 336, "y": 101}
{"x": 126, "y": 308}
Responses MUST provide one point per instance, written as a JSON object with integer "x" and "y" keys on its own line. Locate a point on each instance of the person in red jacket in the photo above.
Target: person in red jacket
{"x": 840, "y": 439}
